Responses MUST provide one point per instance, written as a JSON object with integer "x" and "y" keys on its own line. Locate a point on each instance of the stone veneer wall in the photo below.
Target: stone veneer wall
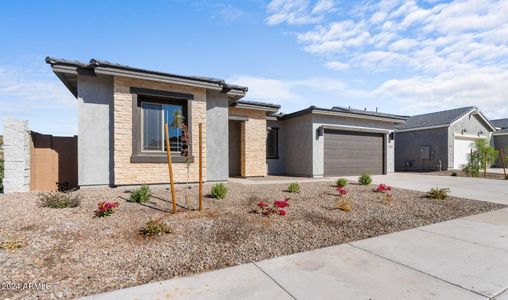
{"x": 16, "y": 156}
{"x": 139, "y": 173}
{"x": 252, "y": 141}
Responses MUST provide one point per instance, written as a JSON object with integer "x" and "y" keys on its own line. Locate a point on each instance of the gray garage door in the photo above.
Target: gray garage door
{"x": 352, "y": 153}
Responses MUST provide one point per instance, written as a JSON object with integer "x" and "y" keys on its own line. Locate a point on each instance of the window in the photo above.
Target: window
{"x": 154, "y": 116}
{"x": 272, "y": 143}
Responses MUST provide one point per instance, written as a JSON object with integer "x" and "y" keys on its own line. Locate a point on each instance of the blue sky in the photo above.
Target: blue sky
{"x": 403, "y": 57}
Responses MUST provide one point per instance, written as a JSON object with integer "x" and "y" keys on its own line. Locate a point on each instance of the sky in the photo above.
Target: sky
{"x": 402, "y": 57}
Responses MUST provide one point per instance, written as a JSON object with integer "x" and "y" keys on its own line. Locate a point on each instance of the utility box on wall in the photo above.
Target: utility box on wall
{"x": 425, "y": 152}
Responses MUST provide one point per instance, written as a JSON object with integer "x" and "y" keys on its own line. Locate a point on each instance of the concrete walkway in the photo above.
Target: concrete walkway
{"x": 465, "y": 258}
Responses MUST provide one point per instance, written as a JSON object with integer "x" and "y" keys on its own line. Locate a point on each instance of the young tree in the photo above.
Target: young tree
{"x": 178, "y": 122}
{"x": 485, "y": 153}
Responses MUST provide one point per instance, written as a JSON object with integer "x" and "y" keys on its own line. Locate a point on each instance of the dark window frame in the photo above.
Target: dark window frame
{"x": 140, "y": 95}
{"x": 276, "y": 130}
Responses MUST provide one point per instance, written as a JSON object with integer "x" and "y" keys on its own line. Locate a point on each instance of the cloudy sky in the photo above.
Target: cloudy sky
{"x": 404, "y": 57}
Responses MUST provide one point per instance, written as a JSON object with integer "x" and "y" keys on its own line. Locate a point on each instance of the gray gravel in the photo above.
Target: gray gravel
{"x": 80, "y": 255}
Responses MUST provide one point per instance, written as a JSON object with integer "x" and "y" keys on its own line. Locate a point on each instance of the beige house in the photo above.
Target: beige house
{"x": 122, "y": 111}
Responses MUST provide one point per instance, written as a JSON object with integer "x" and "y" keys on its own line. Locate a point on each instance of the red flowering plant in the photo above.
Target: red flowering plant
{"x": 385, "y": 189}
{"x": 105, "y": 209}
{"x": 276, "y": 208}
{"x": 342, "y": 191}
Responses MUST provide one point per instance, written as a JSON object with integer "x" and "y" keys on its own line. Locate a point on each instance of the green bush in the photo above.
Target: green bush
{"x": 58, "y": 200}
{"x": 365, "y": 179}
{"x": 294, "y": 187}
{"x": 141, "y": 195}
{"x": 219, "y": 191}
{"x": 437, "y": 193}
{"x": 342, "y": 182}
{"x": 155, "y": 227}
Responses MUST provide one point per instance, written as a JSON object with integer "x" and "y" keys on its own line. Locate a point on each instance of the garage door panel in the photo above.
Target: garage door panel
{"x": 352, "y": 153}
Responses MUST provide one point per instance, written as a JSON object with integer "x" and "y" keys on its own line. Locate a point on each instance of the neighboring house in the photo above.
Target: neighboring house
{"x": 122, "y": 111}
{"x": 319, "y": 142}
{"x": 500, "y": 139}
{"x": 440, "y": 140}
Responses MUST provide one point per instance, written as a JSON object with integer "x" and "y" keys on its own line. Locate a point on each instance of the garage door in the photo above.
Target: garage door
{"x": 461, "y": 148}
{"x": 352, "y": 153}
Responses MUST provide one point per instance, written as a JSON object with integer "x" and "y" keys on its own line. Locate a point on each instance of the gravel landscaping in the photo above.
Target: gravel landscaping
{"x": 78, "y": 254}
{"x": 463, "y": 174}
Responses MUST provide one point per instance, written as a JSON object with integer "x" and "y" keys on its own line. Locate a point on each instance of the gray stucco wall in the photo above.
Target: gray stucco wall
{"x": 501, "y": 142}
{"x": 277, "y": 166}
{"x": 473, "y": 126}
{"x": 318, "y": 142}
{"x": 95, "y": 130}
{"x": 216, "y": 133}
{"x": 408, "y": 145}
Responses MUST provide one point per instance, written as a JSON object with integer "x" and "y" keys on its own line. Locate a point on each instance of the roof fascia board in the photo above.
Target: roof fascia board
{"x": 144, "y": 76}
{"x": 356, "y": 128}
{"x": 423, "y": 128}
{"x": 500, "y": 133}
{"x": 255, "y": 107}
{"x": 358, "y": 116}
{"x": 65, "y": 69}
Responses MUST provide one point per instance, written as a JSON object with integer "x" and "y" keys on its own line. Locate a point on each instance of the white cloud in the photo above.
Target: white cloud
{"x": 337, "y": 65}
{"x": 298, "y": 12}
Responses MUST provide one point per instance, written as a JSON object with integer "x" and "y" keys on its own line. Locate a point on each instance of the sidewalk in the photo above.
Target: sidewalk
{"x": 465, "y": 258}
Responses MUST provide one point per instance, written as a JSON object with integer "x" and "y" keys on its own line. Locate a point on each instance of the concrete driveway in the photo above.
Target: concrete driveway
{"x": 491, "y": 190}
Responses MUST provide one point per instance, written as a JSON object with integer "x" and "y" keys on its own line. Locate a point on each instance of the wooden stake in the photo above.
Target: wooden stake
{"x": 503, "y": 162}
{"x": 170, "y": 166}
{"x": 200, "y": 166}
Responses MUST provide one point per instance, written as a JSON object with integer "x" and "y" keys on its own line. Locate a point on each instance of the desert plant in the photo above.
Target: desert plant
{"x": 342, "y": 191}
{"x": 345, "y": 205}
{"x": 294, "y": 187}
{"x": 105, "y": 209}
{"x": 155, "y": 227}
{"x": 342, "y": 182}
{"x": 438, "y": 193}
{"x": 276, "y": 208}
{"x": 141, "y": 195}
{"x": 11, "y": 245}
{"x": 365, "y": 179}
{"x": 179, "y": 122}
{"x": 58, "y": 200}
{"x": 219, "y": 191}
{"x": 481, "y": 158}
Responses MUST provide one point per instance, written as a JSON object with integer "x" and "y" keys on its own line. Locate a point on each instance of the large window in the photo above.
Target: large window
{"x": 154, "y": 116}
{"x": 272, "y": 143}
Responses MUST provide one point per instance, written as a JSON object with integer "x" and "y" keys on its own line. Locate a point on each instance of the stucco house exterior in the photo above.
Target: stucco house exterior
{"x": 318, "y": 142}
{"x": 500, "y": 139}
{"x": 440, "y": 140}
{"x": 122, "y": 111}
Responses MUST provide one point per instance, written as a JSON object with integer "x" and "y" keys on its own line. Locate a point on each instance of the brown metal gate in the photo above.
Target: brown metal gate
{"x": 352, "y": 153}
{"x": 53, "y": 161}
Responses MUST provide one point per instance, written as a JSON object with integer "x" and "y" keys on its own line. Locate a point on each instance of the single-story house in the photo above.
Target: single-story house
{"x": 340, "y": 141}
{"x": 121, "y": 115}
{"x": 122, "y": 111}
{"x": 440, "y": 140}
{"x": 500, "y": 139}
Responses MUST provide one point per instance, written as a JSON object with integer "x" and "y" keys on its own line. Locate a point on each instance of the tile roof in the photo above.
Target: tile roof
{"x": 501, "y": 123}
{"x": 445, "y": 117}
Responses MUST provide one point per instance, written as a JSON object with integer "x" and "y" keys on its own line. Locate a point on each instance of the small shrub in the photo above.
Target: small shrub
{"x": 365, "y": 179}
{"x": 382, "y": 188}
{"x": 156, "y": 227}
{"x": 276, "y": 208}
{"x": 438, "y": 193}
{"x": 219, "y": 191}
{"x": 345, "y": 205}
{"x": 105, "y": 209}
{"x": 294, "y": 187}
{"x": 342, "y": 182}
{"x": 141, "y": 195}
{"x": 342, "y": 191}
{"x": 11, "y": 245}
{"x": 58, "y": 200}
{"x": 454, "y": 174}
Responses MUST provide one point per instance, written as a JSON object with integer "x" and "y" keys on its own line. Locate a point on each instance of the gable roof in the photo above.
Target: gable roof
{"x": 67, "y": 71}
{"x": 438, "y": 119}
{"x": 346, "y": 113}
{"x": 501, "y": 123}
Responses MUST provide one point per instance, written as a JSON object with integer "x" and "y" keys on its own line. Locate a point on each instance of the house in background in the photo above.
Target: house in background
{"x": 500, "y": 139}
{"x": 121, "y": 116}
{"x": 440, "y": 140}
{"x": 317, "y": 142}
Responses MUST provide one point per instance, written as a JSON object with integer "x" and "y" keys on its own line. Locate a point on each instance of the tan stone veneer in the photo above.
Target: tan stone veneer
{"x": 252, "y": 141}
{"x": 126, "y": 172}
